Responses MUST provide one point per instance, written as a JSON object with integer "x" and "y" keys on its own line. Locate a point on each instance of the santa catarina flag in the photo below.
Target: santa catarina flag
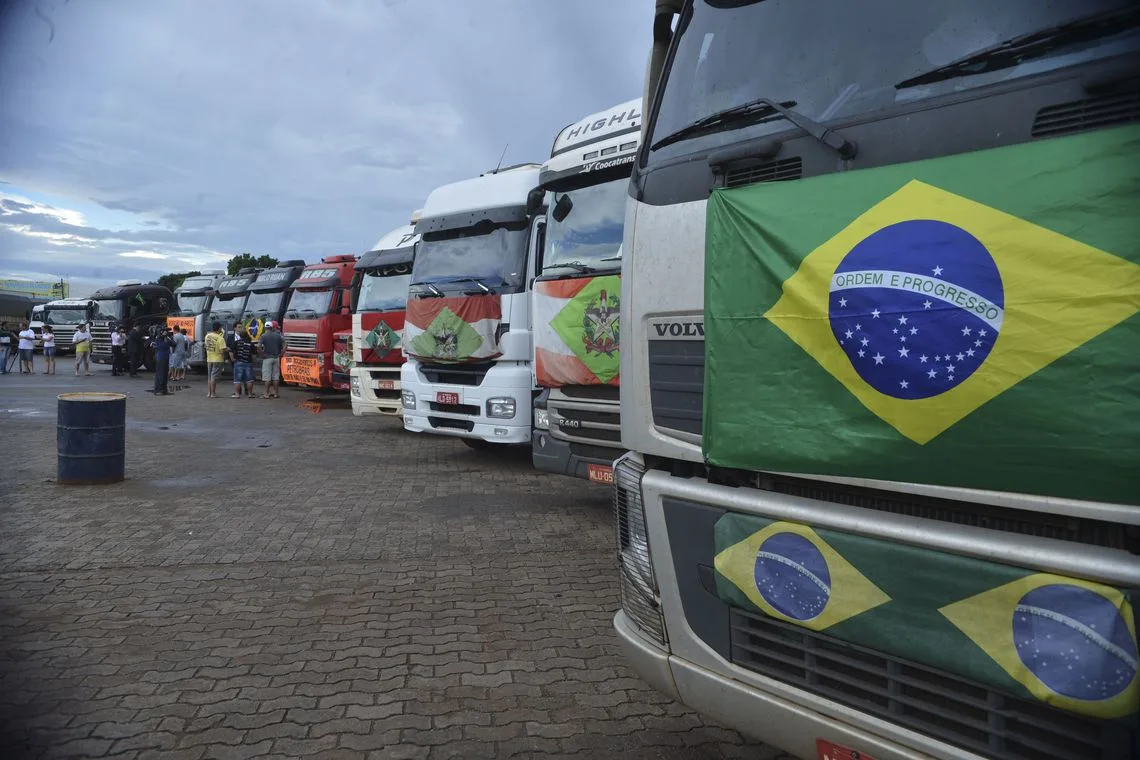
{"x": 462, "y": 329}
{"x": 968, "y": 320}
{"x": 576, "y": 331}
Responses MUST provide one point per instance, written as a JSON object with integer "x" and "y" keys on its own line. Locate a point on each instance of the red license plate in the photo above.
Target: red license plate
{"x": 385, "y": 385}
{"x": 600, "y": 473}
{"x": 446, "y": 398}
{"x": 826, "y": 750}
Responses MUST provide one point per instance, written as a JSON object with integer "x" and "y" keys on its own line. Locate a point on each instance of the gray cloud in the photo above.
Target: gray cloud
{"x": 297, "y": 128}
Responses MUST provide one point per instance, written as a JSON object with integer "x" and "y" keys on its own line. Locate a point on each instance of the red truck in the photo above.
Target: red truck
{"x": 318, "y": 309}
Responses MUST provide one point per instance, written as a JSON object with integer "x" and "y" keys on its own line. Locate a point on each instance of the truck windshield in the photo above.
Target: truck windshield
{"x": 65, "y": 316}
{"x": 265, "y": 303}
{"x": 189, "y": 305}
{"x": 813, "y": 55}
{"x": 461, "y": 260}
{"x": 225, "y": 309}
{"x": 307, "y": 303}
{"x": 384, "y": 289}
{"x": 589, "y": 235}
{"x": 108, "y": 308}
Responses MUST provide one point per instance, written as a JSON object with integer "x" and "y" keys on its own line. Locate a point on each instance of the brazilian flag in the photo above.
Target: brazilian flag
{"x": 966, "y": 321}
{"x": 1066, "y": 642}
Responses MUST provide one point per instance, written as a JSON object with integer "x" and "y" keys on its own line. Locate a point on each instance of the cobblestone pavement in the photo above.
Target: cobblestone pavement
{"x": 274, "y": 582}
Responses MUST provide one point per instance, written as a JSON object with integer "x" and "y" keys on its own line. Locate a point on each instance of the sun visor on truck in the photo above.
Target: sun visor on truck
{"x": 271, "y": 281}
{"x": 502, "y": 215}
{"x": 328, "y": 277}
{"x": 386, "y": 258}
{"x": 234, "y": 285}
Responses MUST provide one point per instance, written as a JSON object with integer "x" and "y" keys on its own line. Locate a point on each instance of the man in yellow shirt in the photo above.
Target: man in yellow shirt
{"x": 215, "y": 358}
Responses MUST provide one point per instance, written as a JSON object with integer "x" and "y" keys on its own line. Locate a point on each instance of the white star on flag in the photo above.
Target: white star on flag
{"x": 842, "y": 301}
{"x": 926, "y": 304}
{"x": 864, "y": 342}
{"x": 960, "y": 357}
{"x": 878, "y": 358}
{"x": 849, "y": 334}
{"x": 970, "y": 352}
{"x": 904, "y": 352}
{"x": 875, "y": 313}
{"x": 895, "y": 331}
{"x": 902, "y": 338}
{"x": 937, "y": 271}
{"x": 862, "y": 353}
{"x": 949, "y": 367}
{"x": 902, "y": 320}
{"x": 858, "y": 327}
{"x": 966, "y": 330}
{"x": 914, "y": 331}
{"x": 982, "y": 333}
{"x": 978, "y": 343}
{"x": 932, "y": 373}
{"x": 922, "y": 358}
{"x": 903, "y": 384}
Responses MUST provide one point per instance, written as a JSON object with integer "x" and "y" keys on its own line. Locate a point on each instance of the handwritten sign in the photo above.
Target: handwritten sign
{"x": 186, "y": 323}
{"x": 301, "y": 370}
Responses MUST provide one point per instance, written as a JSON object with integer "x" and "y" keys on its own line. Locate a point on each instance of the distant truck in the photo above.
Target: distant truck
{"x": 228, "y": 303}
{"x": 192, "y": 302}
{"x": 577, "y": 336}
{"x": 380, "y": 296}
{"x": 318, "y": 309}
{"x": 64, "y": 315}
{"x": 126, "y": 304}
{"x": 467, "y": 334}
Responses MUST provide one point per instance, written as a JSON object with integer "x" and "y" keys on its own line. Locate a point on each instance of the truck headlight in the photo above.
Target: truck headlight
{"x": 354, "y": 385}
{"x": 408, "y": 399}
{"x": 542, "y": 419}
{"x": 501, "y": 407}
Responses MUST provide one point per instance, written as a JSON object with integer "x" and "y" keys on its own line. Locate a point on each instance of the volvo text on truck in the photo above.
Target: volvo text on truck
{"x": 380, "y": 295}
{"x": 64, "y": 315}
{"x": 192, "y": 302}
{"x": 879, "y": 372}
{"x": 129, "y": 303}
{"x": 467, "y": 334}
{"x": 577, "y": 336}
{"x": 318, "y": 309}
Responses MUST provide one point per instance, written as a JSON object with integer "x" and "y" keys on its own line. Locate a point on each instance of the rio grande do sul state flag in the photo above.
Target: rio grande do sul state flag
{"x": 968, "y": 321}
{"x": 453, "y": 330}
{"x": 576, "y": 331}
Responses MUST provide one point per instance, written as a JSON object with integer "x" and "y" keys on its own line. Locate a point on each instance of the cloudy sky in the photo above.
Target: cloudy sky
{"x": 139, "y": 138}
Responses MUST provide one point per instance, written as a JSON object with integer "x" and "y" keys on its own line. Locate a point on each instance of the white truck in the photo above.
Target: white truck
{"x": 64, "y": 315}
{"x": 879, "y": 321}
{"x": 379, "y": 298}
{"x": 193, "y": 300}
{"x": 576, "y": 311}
{"x": 467, "y": 335}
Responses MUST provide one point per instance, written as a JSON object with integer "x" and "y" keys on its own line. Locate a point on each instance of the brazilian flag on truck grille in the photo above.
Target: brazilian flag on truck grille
{"x": 968, "y": 320}
{"x": 1066, "y": 642}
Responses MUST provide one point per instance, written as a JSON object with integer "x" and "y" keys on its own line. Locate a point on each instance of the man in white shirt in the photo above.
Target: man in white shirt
{"x": 27, "y": 345}
{"x": 118, "y": 345}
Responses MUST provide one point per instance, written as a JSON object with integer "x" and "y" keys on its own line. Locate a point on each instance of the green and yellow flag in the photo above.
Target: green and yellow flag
{"x": 968, "y": 320}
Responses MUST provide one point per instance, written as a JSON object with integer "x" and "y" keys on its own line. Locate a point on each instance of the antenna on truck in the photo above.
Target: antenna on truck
{"x": 501, "y": 157}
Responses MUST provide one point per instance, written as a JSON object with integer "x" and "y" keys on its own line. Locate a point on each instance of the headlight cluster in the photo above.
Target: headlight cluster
{"x": 542, "y": 419}
{"x": 501, "y": 408}
{"x": 408, "y": 398}
{"x": 354, "y": 385}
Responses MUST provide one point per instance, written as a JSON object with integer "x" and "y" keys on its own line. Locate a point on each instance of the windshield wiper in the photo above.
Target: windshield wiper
{"x": 760, "y": 107}
{"x": 432, "y": 289}
{"x": 1026, "y": 47}
{"x": 477, "y": 281}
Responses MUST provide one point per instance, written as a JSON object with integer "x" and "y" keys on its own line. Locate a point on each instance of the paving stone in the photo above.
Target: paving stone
{"x": 313, "y": 585}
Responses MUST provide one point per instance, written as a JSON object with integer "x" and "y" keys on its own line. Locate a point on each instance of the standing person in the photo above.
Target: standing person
{"x": 49, "y": 350}
{"x": 162, "y": 343}
{"x": 134, "y": 350}
{"x": 6, "y": 344}
{"x": 27, "y": 349}
{"x": 215, "y": 358}
{"x": 118, "y": 343}
{"x": 241, "y": 354}
{"x": 82, "y": 342}
{"x": 178, "y": 355}
{"x": 272, "y": 346}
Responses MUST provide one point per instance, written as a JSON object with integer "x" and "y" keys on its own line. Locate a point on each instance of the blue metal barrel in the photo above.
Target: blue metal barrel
{"x": 91, "y": 437}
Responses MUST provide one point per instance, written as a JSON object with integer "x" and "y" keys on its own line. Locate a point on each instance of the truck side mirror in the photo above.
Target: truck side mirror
{"x": 534, "y": 201}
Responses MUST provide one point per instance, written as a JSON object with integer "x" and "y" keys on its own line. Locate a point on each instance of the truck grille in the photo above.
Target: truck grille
{"x": 677, "y": 384}
{"x": 101, "y": 339}
{"x": 1091, "y": 113}
{"x": 591, "y": 419}
{"x": 301, "y": 341}
{"x": 945, "y": 706}
{"x": 457, "y": 374}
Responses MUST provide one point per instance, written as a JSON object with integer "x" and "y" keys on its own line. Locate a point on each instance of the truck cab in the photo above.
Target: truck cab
{"x": 64, "y": 315}
{"x": 129, "y": 303}
{"x": 576, "y": 311}
{"x": 192, "y": 302}
{"x": 467, "y": 335}
{"x": 318, "y": 309}
{"x": 268, "y": 296}
{"x": 228, "y": 302}
{"x": 880, "y": 495}
{"x": 379, "y": 299}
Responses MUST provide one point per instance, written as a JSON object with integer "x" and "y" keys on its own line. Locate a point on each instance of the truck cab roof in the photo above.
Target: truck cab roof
{"x": 498, "y": 197}
{"x": 67, "y": 303}
{"x": 331, "y": 272}
{"x": 604, "y": 140}
{"x": 279, "y": 277}
{"x": 235, "y": 285}
{"x": 397, "y": 247}
{"x": 123, "y": 291}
